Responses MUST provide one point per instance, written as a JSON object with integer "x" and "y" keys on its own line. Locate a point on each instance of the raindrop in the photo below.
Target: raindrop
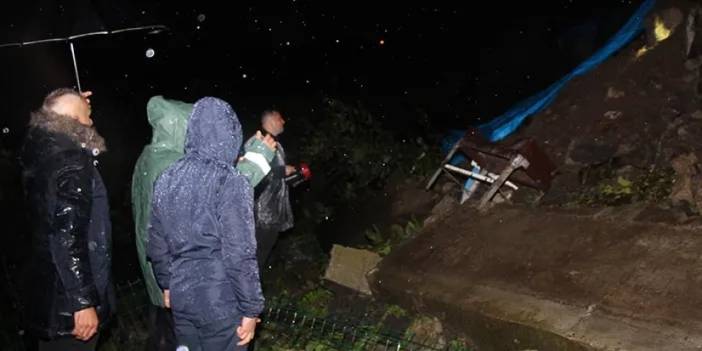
{"x": 201, "y": 17}
{"x": 150, "y": 52}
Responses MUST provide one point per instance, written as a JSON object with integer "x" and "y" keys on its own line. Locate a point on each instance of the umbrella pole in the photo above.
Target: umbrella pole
{"x": 75, "y": 66}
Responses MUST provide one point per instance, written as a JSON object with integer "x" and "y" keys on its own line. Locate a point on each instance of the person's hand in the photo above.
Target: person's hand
{"x": 289, "y": 170}
{"x": 267, "y": 140}
{"x": 167, "y": 298}
{"x": 85, "y": 323}
{"x": 246, "y": 330}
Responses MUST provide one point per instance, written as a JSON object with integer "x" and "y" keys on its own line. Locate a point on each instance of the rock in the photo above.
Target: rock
{"x": 349, "y": 267}
{"x": 429, "y": 329}
{"x": 613, "y": 114}
{"x": 613, "y": 93}
{"x": 684, "y": 189}
{"x": 589, "y": 152}
{"x": 563, "y": 188}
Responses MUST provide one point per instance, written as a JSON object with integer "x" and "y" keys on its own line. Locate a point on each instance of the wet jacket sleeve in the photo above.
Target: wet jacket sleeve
{"x": 157, "y": 249}
{"x": 71, "y": 221}
{"x": 255, "y": 163}
{"x": 239, "y": 245}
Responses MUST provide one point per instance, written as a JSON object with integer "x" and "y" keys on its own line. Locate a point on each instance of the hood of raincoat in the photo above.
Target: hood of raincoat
{"x": 169, "y": 120}
{"x": 214, "y": 131}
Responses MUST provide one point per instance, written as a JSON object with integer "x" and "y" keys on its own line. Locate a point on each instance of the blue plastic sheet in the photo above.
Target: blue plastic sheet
{"x": 502, "y": 126}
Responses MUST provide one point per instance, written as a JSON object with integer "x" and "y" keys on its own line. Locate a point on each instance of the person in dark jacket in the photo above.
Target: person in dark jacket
{"x": 68, "y": 291}
{"x": 201, "y": 236}
{"x": 272, "y": 202}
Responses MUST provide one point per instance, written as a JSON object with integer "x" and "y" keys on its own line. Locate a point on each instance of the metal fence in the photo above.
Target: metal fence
{"x": 294, "y": 328}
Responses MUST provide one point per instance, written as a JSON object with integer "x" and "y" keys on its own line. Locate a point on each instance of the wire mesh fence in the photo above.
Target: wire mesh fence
{"x": 298, "y": 329}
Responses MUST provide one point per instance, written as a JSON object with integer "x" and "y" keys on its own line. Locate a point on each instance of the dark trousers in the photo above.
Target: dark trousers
{"x": 216, "y": 336}
{"x": 68, "y": 343}
{"x": 161, "y": 330}
{"x": 265, "y": 240}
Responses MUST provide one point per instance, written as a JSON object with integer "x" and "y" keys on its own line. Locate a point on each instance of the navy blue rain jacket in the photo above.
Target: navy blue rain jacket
{"x": 201, "y": 233}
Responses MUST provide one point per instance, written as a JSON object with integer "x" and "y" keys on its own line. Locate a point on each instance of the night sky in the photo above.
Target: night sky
{"x": 456, "y": 61}
{"x": 452, "y": 62}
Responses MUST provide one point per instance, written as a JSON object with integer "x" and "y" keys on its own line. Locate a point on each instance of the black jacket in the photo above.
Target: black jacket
{"x": 69, "y": 266}
{"x": 271, "y": 197}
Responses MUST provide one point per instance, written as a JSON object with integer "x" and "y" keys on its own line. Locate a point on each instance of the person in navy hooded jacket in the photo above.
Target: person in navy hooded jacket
{"x": 201, "y": 236}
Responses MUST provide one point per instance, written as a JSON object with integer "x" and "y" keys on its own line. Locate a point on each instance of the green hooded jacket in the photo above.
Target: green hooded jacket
{"x": 169, "y": 121}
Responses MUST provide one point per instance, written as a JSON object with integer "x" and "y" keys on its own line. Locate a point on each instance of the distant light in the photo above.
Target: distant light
{"x": 337, "y": 41}
{"x": 5, "y": 130}
{"x": 243, "y": 76}
{"x": 201, "y": 17}
{"x": 382, "y": 42}
{"x": 150, "y": 52}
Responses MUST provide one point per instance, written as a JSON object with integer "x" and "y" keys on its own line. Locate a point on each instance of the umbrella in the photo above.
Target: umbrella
{"x": 78, "y": 19}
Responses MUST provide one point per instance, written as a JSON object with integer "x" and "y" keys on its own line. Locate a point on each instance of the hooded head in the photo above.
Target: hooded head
{"x": 214, "y": 131}
{"x": 169, "y": 120}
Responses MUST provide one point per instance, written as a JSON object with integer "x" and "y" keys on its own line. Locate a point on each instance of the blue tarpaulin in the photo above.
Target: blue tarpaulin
{"x": 502, "y": 126}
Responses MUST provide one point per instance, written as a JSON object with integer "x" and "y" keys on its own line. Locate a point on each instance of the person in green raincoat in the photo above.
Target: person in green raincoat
{"x": 169, "y": 121}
